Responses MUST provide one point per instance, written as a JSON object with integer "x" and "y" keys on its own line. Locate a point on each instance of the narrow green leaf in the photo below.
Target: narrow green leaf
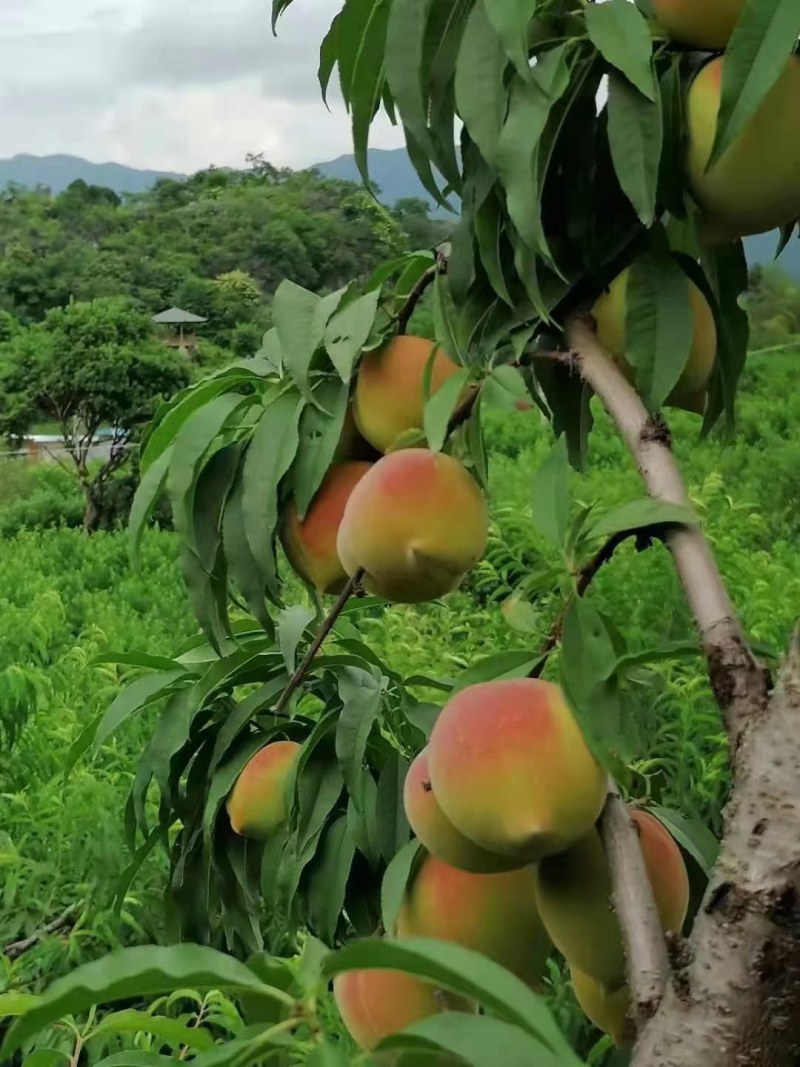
{"x": 519, "y": 149}
{"x": 329, "y": 879}
{"x": 367, "y": 81}
{"x": 138, "y": 694}
{"x": 361, "y": 704}
{"x": 167, "y": 1030}
{"x": 659, "y": 325}
{"x": 391, "y": 823}
{"x": 551, "y": 494}
{"x": 146, "y": 971}
{"x": 692, "y": 835}
{"x": 440, "y": 407}
{"x": 395, "y": 879}
{"x": 476, "y": 1040}
{"x": 269, "y": 456}
{"x": 405, "y": 44}
{"x": 588, "y": 655}
{"x": 244, "y": 571}
{"x": 293, "y": 310}
{"x": 622, "y": 37}
{"x": 488, "y": 226}
{"x": 499, "y": 665}
{"x": 481, "y": 96}
{"x": 726, "y": 267}
{"x": 147, "y": 493}
{"x": 444, "y": 318}
{"x": 292, "y": 624}
{"x": 348, "y": 330}
{"x": 13, "y": 1004}
{"x": 765, "y": 36}
{"x": 635, "y": 136}
{"x": 461, "y": 971}
{"x": 510, "y": 20}
{"x": 320, "y": 433}
{"x": 640, "y": 514}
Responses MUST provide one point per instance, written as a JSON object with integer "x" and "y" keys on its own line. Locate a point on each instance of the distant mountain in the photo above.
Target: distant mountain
{"x": 392, "y": 172}
{"x": 57, "y": 172}
{"x": 390, "y": 169}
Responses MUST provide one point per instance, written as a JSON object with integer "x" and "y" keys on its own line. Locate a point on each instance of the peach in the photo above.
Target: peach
{"x": 574, "y": 893}
{"x": 351, "y": 444}
{"x": 310, "y": 543}
{"x": 512, "y": 770}
{"x": 389, "y": 396}
{"x": 607, "y": 1010}
{"x": 689, "y": 392}
{"x": 415, "y": 523}
{"x": 256, "y": 805}
{"x": 699, "y": 23}
{"x": 377, "y": 1003}
{"x": 494, "y": 914}
{"x": 755, "y": 185}
{"x": 437, "y": 833}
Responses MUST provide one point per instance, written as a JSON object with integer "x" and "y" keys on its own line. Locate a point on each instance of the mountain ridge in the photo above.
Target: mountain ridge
{"x": 390, "y": 169}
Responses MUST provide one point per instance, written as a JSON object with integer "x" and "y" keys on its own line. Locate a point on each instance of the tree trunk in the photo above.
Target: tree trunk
{"x": 733, "y": 998}
{"x": 91, "y": 513}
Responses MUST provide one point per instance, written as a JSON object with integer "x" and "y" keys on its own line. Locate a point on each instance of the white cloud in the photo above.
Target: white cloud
{"x": 172, "y": 84}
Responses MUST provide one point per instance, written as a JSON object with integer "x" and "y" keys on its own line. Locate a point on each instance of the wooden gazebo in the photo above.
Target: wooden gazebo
{"x": 181, "y": 327}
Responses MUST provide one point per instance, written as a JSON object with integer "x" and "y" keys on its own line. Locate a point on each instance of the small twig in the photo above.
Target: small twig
{"x": 64, "y": 921}
{"x": 635, "y": 907}
{"x": 584, "y": 579}
{"x": 327, "y": 625}
{"x": 416, "y": 294}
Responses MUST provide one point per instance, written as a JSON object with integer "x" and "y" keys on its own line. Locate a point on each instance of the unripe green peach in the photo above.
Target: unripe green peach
{"x": 699, "y": 23}
{"x": 608, "y": 1010}
{"x": 609, "y": 313}
{"x": 575, "y": 899}
{"x": 374, "y": 1004}
{"x": 494, "y": 914}
{"x": 755, "y": 185}
{"x": 310, "y": 544}
{"x": 437, "y": 833}
{"x": 256, "y": 805}
{"x": 389, "y": 397}
{"x": 512, "y": 771}
{"x": 416, "y": 523}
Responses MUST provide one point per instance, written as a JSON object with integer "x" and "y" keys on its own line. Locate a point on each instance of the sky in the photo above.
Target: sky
{"x": 169, "y": 84}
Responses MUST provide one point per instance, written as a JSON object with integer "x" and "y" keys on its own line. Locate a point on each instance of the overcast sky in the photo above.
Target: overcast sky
{"x": 168, "y": 84}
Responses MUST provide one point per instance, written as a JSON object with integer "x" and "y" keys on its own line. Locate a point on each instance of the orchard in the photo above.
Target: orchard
{"x": 435, "y": 850}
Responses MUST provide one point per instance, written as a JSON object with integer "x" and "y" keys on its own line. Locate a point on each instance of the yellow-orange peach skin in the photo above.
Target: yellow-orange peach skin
{"x": 416, "y": 523}
{"x": 689, "y": 393}
{"x": 755, "y": 185}
{"x": 375, "y": 1003}
{"x": 608, "y": 1010}
{"x": 256, "y": 805}
{"x": 576, "y": 906}
{"x": 494, "y": 914}
{"x": 389, "y": 395}
{"x": 437, "y": 833}
{"x": 310, "y": 544}
{"x": 512, "y": 770}
{"x": 700, "y": 23}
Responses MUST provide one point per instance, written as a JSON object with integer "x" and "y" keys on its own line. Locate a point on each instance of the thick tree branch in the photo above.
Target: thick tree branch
{"x": 67, "y": 919}
{"x": 733, "y": 1000}
{"x": 635, "y": 907}
{"x": 740, "y": 684}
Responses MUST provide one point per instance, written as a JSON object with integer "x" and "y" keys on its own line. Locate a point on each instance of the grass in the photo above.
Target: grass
{"x": 65, "y": 600}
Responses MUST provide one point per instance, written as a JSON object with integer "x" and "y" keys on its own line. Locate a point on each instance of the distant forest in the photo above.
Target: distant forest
{"x": 216, "y": 244}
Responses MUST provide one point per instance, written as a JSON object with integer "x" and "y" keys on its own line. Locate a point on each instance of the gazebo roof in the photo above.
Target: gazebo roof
{"x": 177, "y": 317}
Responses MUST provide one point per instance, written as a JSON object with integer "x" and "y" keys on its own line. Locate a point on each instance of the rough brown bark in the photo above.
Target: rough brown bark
{"x": 734, "y": 997}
